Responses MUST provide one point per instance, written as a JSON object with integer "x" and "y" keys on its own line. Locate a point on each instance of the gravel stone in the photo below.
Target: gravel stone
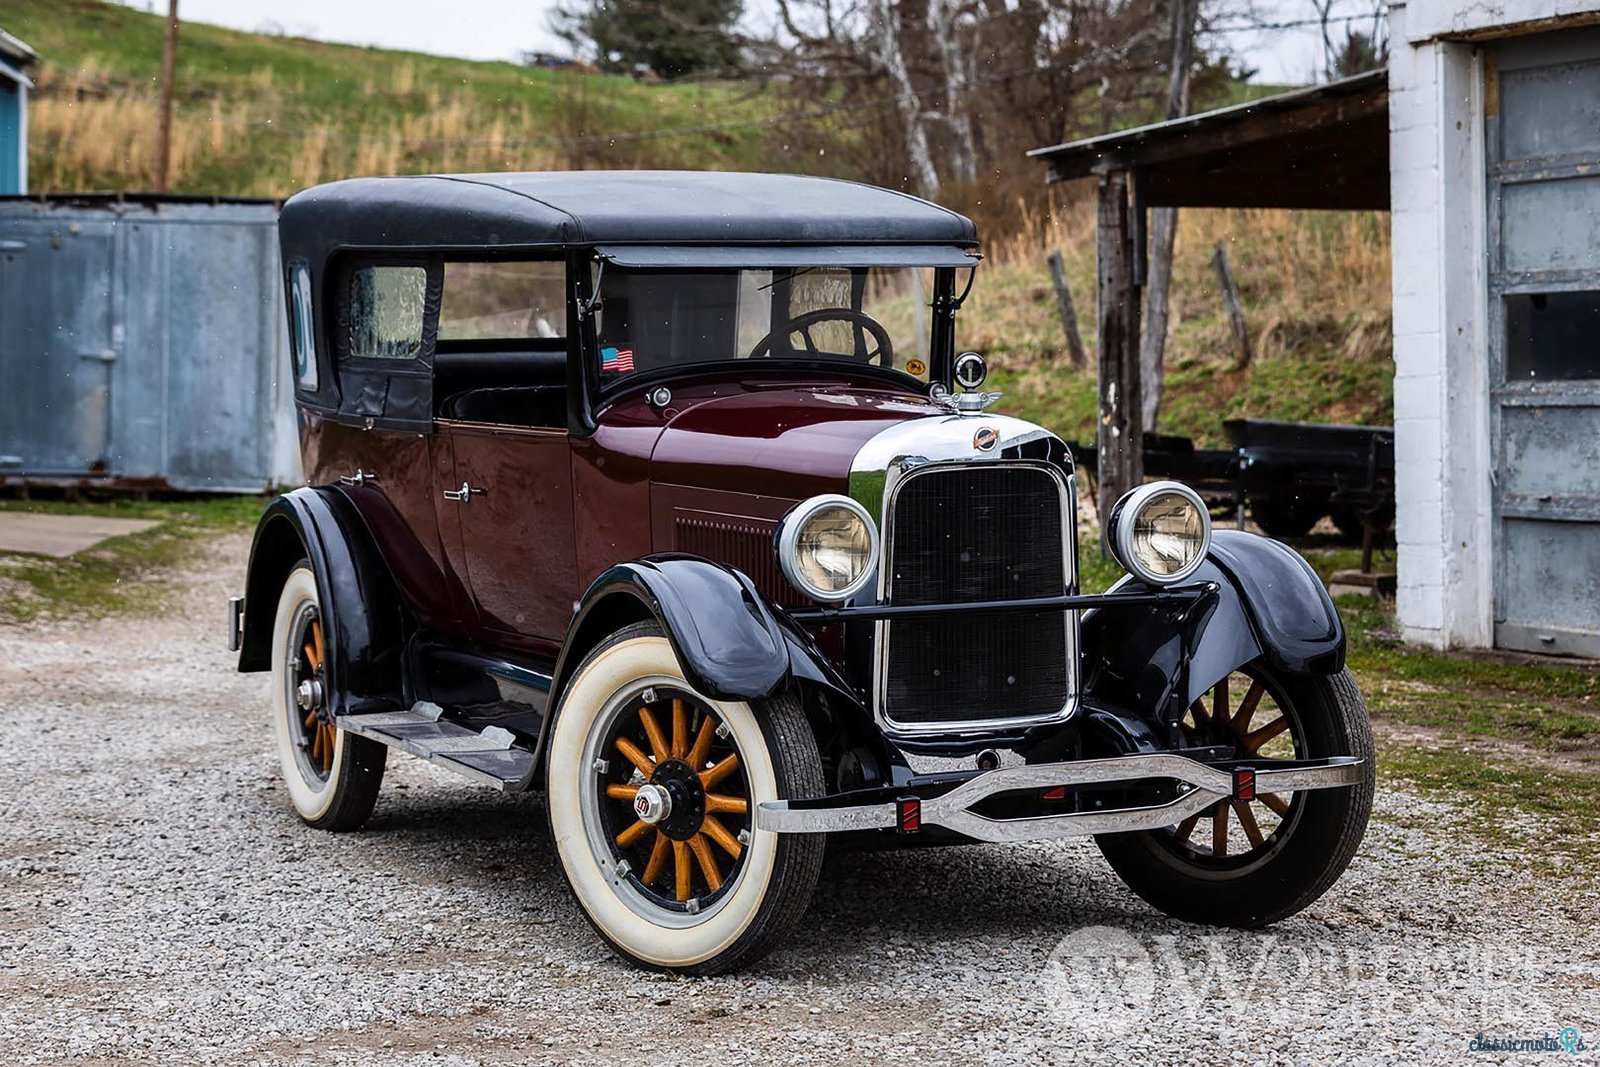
{"x": 160, "y": 902}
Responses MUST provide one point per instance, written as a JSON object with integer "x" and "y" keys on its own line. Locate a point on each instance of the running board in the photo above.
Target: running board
{"x": 953, "y": 809}
{"x": 490, "y": 756}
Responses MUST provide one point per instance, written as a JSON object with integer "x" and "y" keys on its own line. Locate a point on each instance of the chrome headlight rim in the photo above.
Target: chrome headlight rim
{"x": 1123, "y": 520}
{"x": 787, "y": 546}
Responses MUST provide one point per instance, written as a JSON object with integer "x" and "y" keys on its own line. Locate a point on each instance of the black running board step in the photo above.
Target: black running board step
{"x": 490, "y": 756}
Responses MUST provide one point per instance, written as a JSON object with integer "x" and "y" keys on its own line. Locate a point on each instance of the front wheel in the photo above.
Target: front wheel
{"x": 1248, "y": 864}
{"x": 653, "y": 790}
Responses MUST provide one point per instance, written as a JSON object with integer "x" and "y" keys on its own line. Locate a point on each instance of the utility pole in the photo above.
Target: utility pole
{"x": 169, "y": 73}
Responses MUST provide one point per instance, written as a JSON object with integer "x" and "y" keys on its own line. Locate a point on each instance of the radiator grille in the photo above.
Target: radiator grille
{"x": 970, "y": 533}
{"x": 743, "y": 543}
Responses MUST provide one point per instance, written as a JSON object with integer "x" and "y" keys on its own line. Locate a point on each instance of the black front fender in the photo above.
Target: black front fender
{"x": 361, "y": 611}
{"x": 1263, "y": 601}
{"x": 726, "y": 638}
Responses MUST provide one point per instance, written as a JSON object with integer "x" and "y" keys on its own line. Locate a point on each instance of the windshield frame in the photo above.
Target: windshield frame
{"x": 941, "y": 310}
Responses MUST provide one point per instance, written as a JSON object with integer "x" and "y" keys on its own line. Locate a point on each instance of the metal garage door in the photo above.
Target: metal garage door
{"x": 1543, "y": 137}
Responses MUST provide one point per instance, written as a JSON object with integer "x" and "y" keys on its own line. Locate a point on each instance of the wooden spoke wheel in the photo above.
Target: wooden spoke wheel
{"x": 675, "y": 797}
{"x": 332, "y": 776}
{"x": 1249, "y": 864}
{"x": 1240, "y": 713}
{"x": 652, "y": 795}
{"x": 314, "y": 730}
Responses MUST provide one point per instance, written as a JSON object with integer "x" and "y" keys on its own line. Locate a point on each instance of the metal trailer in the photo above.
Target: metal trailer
{"x": 1288, "y": 474}
{"x": 143, "y": 345}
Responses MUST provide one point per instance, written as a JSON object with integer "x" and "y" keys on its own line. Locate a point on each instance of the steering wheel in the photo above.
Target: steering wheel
{"x": 882, "y": 354}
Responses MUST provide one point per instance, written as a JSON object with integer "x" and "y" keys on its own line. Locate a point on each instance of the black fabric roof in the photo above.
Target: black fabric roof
{"x": 460, "y": 211}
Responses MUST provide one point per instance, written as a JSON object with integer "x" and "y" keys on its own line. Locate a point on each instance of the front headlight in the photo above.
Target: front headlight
{"x": 1160, "y": 532}
{"x": 827, "y": 546}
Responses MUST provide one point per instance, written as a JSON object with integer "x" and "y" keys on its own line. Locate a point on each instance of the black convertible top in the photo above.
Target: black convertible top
{"x": 683, "y": 208}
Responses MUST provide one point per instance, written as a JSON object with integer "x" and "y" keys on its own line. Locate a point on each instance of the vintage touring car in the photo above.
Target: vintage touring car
{"x": 667, "y": 494}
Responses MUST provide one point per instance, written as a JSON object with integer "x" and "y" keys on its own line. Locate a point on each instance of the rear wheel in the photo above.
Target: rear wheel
{"x": 652, "y": 795}
{"x": 1248, "y": 864}
{"x": 332, "y": 776}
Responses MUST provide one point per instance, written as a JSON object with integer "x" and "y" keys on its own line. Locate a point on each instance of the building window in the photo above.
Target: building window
{"x": 386, "y": 312}
{"x": 1553, "y": 336}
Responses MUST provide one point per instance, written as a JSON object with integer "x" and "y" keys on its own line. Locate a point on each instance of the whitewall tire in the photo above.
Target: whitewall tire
{"x": 683, "y": 882}
{"x": 332, "y": 776}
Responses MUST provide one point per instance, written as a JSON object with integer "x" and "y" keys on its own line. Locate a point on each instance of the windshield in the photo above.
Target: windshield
{"x": 872, "y": 316}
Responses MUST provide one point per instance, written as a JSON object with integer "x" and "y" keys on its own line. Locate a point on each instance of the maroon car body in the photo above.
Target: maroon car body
{"x": 653, "y": 490}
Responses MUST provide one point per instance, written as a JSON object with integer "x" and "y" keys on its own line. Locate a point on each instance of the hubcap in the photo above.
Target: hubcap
{"x": 652, "y": 804}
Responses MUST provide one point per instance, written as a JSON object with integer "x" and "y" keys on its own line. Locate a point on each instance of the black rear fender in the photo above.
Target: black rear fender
{"x": 363, "y": 623}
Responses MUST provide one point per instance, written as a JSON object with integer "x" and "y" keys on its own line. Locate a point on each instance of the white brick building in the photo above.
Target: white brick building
{"x": 1494, "y": 115}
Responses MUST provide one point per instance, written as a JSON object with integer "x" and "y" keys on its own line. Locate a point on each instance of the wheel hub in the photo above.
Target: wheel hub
{"x": 685, "y": 799}
{"x": 308, "y": 694}
{"x": 652, "y": 804}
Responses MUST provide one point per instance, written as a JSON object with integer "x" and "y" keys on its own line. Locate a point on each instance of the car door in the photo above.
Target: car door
{"x": 514, "y": 499}
{"x": 374, "y": 434}
{"x": 502, "y": 375}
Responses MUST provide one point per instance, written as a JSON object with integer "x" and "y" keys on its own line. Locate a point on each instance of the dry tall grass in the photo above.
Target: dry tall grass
{"x": 1315, "y": 290}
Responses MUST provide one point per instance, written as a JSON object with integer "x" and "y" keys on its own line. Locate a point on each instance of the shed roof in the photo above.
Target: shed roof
{"x": 609, "y": 207}
{"x": 1322, "y": 147}
{"x": 16, "y": 52}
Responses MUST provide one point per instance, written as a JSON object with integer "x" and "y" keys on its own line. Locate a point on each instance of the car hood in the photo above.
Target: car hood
{"x": 789, "y": 441}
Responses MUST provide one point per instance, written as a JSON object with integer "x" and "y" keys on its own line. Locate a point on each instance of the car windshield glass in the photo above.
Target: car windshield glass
{"x": 652, "y": 319}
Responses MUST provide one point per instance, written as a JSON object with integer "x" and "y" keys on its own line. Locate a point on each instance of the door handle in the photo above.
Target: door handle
{"x": 358, "y": 479}
{"x": 463, "y": 494}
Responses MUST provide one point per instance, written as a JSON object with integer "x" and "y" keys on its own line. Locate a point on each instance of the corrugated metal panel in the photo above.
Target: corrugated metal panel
{"x": 145, "y": 342}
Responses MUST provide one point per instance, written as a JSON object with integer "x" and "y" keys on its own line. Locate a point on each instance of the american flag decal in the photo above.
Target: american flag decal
{"x": 616, "y": 360}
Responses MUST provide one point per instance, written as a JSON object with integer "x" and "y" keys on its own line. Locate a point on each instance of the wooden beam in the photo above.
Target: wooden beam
{"x": 1120, "y": 458}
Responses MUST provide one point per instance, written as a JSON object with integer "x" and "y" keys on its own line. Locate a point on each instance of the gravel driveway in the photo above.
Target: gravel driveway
{"x": 159, "y": 901}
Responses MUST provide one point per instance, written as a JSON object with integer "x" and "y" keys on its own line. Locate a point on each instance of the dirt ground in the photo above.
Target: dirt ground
{"x": 160, "y": 902}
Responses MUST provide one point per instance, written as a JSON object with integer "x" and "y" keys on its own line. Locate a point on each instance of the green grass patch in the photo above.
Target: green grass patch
{"x": 122, "y": 575}
{"x": 1544, "y": 706}
{"x": 1500, "y": 798}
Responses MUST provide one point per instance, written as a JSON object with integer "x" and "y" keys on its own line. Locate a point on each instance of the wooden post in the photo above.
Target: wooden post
{"x": 1121, "y": 431}
{"x": 1230, "y": 306}
{"x": 169, "y": 70}
{"x": 1069, "y": 315}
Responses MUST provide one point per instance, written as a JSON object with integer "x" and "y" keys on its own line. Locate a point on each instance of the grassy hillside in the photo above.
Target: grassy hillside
{"x": 265, "y": 115}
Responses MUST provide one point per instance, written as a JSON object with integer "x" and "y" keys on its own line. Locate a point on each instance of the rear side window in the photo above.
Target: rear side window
{"x": 503, "y": 300}
{"x": 301, "y": 336}
{"x": 387, "y": 311}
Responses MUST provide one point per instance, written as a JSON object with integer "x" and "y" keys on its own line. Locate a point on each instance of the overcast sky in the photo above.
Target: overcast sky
{"x": 499, "y": 29}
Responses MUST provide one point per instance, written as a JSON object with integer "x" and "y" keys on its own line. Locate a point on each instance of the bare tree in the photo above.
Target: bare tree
{"x": 969, "y": 83}
{"x": 1164, "y": 222}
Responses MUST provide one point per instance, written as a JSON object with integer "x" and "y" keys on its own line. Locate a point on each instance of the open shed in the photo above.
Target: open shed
{"x": 1326, "y": 147}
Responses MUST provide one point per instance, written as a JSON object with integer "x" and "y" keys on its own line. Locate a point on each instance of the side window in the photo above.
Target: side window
{"x": 302, "y": 338}
{"x": 503, "y": 300}
{"x": 387, "y": 311}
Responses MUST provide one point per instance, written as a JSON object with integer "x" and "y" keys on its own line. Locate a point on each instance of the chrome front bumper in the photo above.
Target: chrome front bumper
{"x": 952, "y": 810}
